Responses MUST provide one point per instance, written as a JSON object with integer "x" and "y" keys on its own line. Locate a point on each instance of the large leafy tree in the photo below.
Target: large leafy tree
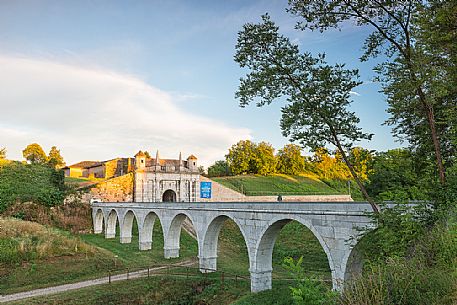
{"x": 35, "y": 154}
{"x": 218, "y": 169}
{"x": 264, "y": 159}
{"x": 317, "y": 94}
{"x": 290, "y": 160}
{"x": 411, "y": 79}
{"x": 395, "y": 176}
{"x": 55, "y": 159}
{"x": 241, "y": 156}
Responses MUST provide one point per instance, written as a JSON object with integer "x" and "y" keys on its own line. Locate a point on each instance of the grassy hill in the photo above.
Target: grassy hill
{"x": 70, "y": 258}
{"x": 257, "y": 185}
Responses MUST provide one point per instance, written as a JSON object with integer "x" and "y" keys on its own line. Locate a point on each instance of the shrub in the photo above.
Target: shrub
{"x": 307, "y": 290}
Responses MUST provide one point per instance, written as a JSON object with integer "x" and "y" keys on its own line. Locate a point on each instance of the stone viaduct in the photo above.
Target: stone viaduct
{"x": 337, "y": 227}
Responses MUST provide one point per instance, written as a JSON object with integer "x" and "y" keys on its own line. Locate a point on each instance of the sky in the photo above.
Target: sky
{"x": 104, "y": 79}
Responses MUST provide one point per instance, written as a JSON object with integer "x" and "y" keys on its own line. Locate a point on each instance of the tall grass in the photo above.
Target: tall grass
{"x": 22, "y": 241}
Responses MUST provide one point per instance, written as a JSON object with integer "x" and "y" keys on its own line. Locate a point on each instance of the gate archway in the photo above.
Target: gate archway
{"x": 169, "y": 196}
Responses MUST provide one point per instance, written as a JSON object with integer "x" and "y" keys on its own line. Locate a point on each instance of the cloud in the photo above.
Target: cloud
{"x": 99, "y": 114}
{"x": 354, "y": 93}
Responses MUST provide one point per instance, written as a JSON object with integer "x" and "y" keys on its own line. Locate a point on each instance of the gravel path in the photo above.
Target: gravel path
{"x": 88, "y": 283}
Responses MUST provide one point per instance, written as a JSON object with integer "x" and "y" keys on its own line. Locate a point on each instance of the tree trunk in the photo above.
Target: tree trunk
{"x": 354, "y": 174}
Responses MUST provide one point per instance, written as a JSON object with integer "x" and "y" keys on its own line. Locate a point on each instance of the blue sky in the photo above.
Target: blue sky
{"x": 102, "y": 79}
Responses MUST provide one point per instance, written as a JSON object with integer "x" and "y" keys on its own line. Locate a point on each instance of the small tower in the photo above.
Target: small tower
{"x": 192, "y": 163}
{"x": 140, "y": 161}
{"x": 157, "y": 161}
{"x": 181, "y": 163}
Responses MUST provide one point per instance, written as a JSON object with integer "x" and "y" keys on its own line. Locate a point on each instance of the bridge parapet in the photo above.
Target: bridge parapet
{"x": 336, "y": 225}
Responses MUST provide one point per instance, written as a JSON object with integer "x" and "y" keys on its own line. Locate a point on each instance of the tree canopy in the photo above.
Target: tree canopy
{"x": 317, "y": 93}
{"x": 417, "y": 73}
{"x": 35, "y": 154}
{"x": 55, "y": 159}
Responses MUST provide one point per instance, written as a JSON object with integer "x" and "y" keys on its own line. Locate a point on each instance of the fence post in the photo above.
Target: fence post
{"x": 236, "y": 280}
{"x": 109, "y": 277}
{"x": 127, "y": 273}
{"x": 148, "y": 272}
{"x": 187, "y": 272}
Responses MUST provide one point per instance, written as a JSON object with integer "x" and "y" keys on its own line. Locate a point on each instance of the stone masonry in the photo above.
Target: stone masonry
{"x": 337, "y": 227}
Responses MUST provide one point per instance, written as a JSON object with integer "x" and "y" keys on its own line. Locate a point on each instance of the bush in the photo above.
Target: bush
{"x": 408, "y": 261}
{"x": 308, "y": 290}
{"x": 30, "y": 183}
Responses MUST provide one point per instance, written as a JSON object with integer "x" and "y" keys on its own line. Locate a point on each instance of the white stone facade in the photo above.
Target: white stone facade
{"x": 166, "y": 180}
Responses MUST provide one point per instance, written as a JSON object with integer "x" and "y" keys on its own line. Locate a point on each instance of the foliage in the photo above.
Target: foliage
{"x": 35, "y": 154}
{"x": 414, "y": 73}
{"x": 30, "y": 182}
{"x": 409, "y": 259}
{"x": 265, "y": 160}
{"x": 219, "y": 169}
{"x": 329, "y": 167}
{"x": 395, "y": 176}
{"x": 361, "y": 159}
{"x": 317, "y": 93}
{"x": 290, "y": 160}
{"x": 3, "y": 153}
{"x": 240, "y": 157}
{"x": 247, "y": 157}
{"x": 307, "y": 290}
{"x": 55, "y": 159}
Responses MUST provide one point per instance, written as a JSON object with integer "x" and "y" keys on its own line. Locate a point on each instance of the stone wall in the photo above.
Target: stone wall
{"x": 118, "y": 189}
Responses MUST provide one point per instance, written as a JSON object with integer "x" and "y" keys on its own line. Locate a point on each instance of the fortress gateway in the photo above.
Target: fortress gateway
{"x": 165, "y": 180}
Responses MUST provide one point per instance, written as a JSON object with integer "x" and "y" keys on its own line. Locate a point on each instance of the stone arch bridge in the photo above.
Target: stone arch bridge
{"x": 337, "y": 227}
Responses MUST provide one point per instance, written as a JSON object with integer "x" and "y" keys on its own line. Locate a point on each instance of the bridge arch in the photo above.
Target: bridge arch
{"x": 207, "y": 251}
{"x": 111, "y": 224}
{"x": 126, "y": 226}
{"x": 99, "y": 221}
{"x": 146, "y": 230}
{"x": 172, "y": 234}
{"x": 262, "y": 265}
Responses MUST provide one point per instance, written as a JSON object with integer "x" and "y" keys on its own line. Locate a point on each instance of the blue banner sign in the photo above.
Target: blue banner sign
{"x": 205, "y": 190}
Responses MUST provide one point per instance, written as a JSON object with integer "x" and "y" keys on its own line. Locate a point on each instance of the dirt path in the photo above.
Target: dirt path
{"x": 88, "y": 283}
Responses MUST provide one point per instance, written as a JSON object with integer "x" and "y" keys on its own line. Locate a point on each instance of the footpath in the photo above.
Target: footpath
{"x": 88, "y": 283}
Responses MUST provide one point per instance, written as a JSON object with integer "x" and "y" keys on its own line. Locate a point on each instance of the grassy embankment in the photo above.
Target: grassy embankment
{"x": 96, "y": 255}
{"x": 273, "y": 185}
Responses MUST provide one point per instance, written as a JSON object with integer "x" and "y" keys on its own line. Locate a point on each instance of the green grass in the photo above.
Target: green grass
{"x": 257, "y": 185}
{"x": 107, "y": 255}
{"x": 154, "y": 290}
{"x": 76, "y": 180}
{"x": 294, "y": 240}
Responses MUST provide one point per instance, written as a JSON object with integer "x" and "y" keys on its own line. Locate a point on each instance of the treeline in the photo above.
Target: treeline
{"x": 395, "y": 174}
{"x": 247, "y": 157}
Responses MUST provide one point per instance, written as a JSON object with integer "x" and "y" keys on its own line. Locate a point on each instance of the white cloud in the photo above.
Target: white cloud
{"x": 354, "y": 93}
{"x": 97, "y": 114}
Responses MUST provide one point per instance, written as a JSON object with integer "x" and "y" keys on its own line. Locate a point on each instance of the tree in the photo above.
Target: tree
{"x": 240, "y": 157}
{"x": 395, "y": 177}
{"x": 34, "y": 154}
{"x": 290, "y": 160}
{"x": 362, "y": 160}
{"x": 317, "y": 93}
{"x": 408, "y": 75}
{"x": 3, "y": 153}
{"x": 264, "y": 159}
{"x": 219, "y": 169}
{"x": 55, "y": 159}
